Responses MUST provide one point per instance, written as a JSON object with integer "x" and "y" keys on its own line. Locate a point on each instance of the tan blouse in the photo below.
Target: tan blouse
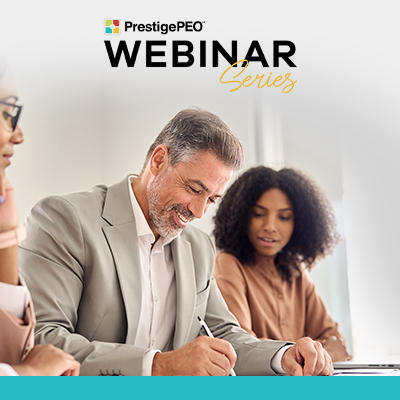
{"x": 16, "y": 336}
{"x": 269, "y": 307}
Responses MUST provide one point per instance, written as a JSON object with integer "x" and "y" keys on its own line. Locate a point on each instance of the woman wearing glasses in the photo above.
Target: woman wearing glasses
{"x": 18, "y": 356}
{"x": 271, "y": 227}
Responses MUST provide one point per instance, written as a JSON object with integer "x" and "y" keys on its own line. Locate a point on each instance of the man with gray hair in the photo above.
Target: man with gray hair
{"x": 119, "y": 279}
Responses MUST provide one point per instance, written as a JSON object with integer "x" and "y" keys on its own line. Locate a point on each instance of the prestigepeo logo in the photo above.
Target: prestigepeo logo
{"x": 185, "y": 26}
{"x": 112, "y": 26}
{"x": 203, "y": 53}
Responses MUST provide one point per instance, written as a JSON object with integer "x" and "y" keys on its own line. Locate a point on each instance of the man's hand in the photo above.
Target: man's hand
{"x": 201, "y": 356}
{"x": 307, "y": 358}
{"x": 48, "y": 361}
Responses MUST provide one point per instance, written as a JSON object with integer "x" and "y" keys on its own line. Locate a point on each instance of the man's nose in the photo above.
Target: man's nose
{"x": 198, "y": 207}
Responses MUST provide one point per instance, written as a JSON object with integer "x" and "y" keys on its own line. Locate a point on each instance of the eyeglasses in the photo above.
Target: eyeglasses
{"x": 12, "y": 116}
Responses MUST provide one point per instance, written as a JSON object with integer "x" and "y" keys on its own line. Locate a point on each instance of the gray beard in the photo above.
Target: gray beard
{"x": 161, "y": 218}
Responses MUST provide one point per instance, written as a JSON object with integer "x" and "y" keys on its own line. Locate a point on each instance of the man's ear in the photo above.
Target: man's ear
{"x": 159, "y": 159}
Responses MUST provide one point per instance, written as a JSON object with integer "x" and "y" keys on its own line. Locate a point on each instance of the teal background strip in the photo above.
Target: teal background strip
{"x": 201, "y": 388}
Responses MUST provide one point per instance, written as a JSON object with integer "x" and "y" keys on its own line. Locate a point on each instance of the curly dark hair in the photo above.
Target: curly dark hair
{"x": 314, "y": 235}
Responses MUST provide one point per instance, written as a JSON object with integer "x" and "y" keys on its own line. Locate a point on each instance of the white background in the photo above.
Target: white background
{"x": 86, "y": 123}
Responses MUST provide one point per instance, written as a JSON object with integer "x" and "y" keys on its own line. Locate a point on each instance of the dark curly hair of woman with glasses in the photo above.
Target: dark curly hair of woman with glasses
{"x": 270, "y": 227}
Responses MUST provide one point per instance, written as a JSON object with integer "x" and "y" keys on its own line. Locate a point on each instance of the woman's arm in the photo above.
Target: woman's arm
{"x": 233, "y": 288}
{"x": 8, "y": 223}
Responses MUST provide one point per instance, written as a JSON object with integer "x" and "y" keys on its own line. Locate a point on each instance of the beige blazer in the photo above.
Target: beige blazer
{"x": 81, "y": 264}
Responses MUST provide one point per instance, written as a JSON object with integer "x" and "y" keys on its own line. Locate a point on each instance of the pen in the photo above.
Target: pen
{"x": 209, "y": 334}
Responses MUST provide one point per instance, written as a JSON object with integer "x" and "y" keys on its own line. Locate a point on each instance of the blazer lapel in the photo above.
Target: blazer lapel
{"x": 186, "y": 289}
{"x": 123, "y": 242}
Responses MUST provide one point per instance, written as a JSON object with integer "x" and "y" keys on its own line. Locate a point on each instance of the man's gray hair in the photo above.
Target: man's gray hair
{"x": 194, "y": 130}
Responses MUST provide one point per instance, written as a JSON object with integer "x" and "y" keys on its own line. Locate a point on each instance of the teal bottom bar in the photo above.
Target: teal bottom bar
{"x": 202, "y": 388}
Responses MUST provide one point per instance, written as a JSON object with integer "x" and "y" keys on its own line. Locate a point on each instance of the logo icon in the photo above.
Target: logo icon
{"x": 112, "y": 26}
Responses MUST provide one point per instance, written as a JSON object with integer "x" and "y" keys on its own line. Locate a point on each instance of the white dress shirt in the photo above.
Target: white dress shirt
{"x": 158, "y": 310}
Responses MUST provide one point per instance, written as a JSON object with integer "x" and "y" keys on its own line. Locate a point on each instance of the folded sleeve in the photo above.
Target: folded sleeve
{"x": 16, "y": 335}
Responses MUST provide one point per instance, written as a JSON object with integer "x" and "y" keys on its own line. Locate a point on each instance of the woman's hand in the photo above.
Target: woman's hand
{"x": 8, "y": 209}
{"x": 48, "y": 361}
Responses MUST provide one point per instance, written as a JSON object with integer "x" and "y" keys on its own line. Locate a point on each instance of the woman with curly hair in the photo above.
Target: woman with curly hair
{"x": 271, "y": 226}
